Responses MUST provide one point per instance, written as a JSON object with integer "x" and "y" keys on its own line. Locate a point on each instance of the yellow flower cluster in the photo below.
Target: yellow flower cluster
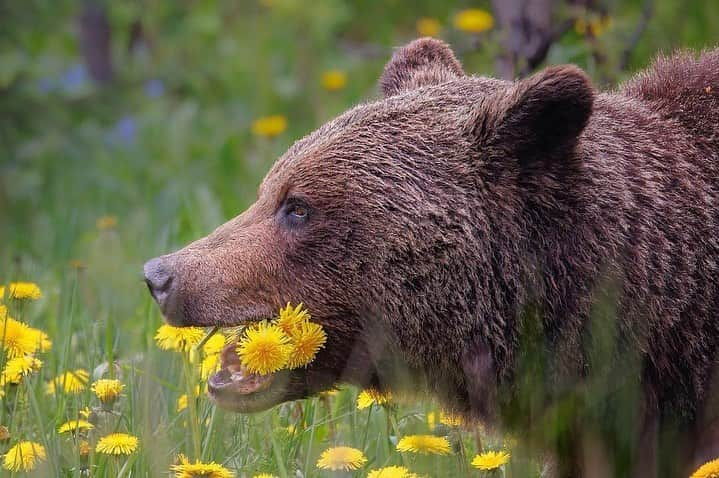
{"x": 391, "y": 472}
{"x": 445, "y": 418}
{"x": 343, "y": 458}
{"x": 428, "y": 27}
{"x": 473, "y": 20}
{"x": 269, "y": 126}
{"x": 334, "y": 80}
{"x": 22, "y": 291}
{"x": 181, "y": 339}
{"x": 24, "y": 456}
{"x": 20, "y": 342}
{"x": 424, "y": 444}
{"x": 107, "y": 390}
{"x": 186, "y": 469}
{"x": 490, "y": 460}
{"x": 290, "y": 341}
{"x": 368, "y": 397}
{"x": 117, "y": 444}
{"x": 71, "y": 382}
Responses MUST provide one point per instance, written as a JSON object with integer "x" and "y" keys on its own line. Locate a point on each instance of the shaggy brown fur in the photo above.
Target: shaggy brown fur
{"x": 438, "y": 232}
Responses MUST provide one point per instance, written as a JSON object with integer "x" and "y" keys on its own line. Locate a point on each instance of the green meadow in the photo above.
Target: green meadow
{"x": 128, "y": 129}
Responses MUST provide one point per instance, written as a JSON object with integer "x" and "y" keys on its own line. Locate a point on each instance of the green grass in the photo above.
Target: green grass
{"x": 170, "y": 164}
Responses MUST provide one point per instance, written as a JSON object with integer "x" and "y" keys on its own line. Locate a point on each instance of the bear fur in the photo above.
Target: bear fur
{"x": 474, "y": 239}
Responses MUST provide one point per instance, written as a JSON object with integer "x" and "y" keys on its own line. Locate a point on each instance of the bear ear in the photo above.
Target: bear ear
{"x": 426, "y": 61}
{"x": 538, "y": 118}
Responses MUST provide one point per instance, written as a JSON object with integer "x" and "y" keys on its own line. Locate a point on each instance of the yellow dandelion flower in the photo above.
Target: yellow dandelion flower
{"x": 17, "y": 338}
{"x": 117, "y": 444}
{"x": 24, "y": 291}
{"x": 106, "y": 222}
{"x": 19, "y": 367}
{"x": 24, "y": 456}
{"x": 182, "y": 399}
{"x": 445, "y": 418}
{"x": 107, "y": 390}
{"x": 2, "y": 292}
{"x": 264, "y": 349}
{"x": 473, "y": 20}
{"x": 291, "y": 318}
{"x": 83, "y": 448}
{"x": 334, "y": 80}
{"x": 709, "y": 469}
{"x": 264, "y": 475}
{"x": 186, "y": 469}
{"x": 85, "y": 413}
{"x": 428, "y": 27}
{"x": 178, "y": 338}
{"x": 490, "y": 460}
{"x": 306, "y": 342}
{"x": 425, "y": 444}
{"x": 75, "y": 425}
{"x": 4, "y": 433}
{"x": 182, "y": 402}
{"x": 595, "y": 25}
{"x": 72, "y": 382}
{"x": 369, "y": 397}
{"x": 214, "y": 344}
{"x": 391, "y": 472}
{"x": 341, "y": 458}
{"x": 269, "y": 126}
{"x": 209, "y": 365}
{"x": 41, "y": 340}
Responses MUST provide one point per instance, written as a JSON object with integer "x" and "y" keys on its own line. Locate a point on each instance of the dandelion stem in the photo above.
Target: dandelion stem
{"x": 192, "y": 406}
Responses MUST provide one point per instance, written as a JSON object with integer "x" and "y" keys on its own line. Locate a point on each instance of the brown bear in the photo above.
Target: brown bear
{"x": 528, "y": 252}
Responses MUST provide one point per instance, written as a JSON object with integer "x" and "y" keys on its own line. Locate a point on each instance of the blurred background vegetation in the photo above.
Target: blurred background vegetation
{"x": 143, "y": 111}
{"x": 129, "y": 128}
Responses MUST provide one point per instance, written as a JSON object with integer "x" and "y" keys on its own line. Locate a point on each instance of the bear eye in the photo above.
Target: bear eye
{"x": 296, "y": 212}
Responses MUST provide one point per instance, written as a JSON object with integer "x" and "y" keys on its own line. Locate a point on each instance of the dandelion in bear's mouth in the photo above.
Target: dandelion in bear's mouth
{"x": 107, "y": 390}
{"x": 291, "y": 341}
{"x": 490, "y": 460}
{"x": 425, "y": 444}
{"x": 117, "y": 444}
{"x": 186, "y": 469}
{"x": 72, "y": 382}
{"x": 391, "y": 472}
{"x": 24, "y": 291}
{"x": 74, "y": 426}
{"x": 306, "y": 341}
{"x": 264, "y": 349}
{"x": 19, "y": 367}
{"x": 709, "y": 469}
{"x": 341, "y": 458}
{"x": 24, "y": 456}
{"x": 368, "y": 397}
{"x": 181, "y": 339}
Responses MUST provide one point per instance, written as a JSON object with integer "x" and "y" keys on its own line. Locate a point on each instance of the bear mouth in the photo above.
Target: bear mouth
{"x": 236, "y": 389}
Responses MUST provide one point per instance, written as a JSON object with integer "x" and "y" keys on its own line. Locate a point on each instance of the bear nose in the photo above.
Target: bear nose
{"x": 158, "y": 279}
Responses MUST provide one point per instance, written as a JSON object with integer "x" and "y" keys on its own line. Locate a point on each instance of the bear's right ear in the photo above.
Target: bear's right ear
{"x": 426, "y": 61}
{"x": 539, "y": 118}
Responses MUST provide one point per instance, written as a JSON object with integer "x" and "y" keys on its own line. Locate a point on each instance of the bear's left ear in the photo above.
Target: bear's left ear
{"x": 537, "y": 118}
{"x": 426, "y": 61}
